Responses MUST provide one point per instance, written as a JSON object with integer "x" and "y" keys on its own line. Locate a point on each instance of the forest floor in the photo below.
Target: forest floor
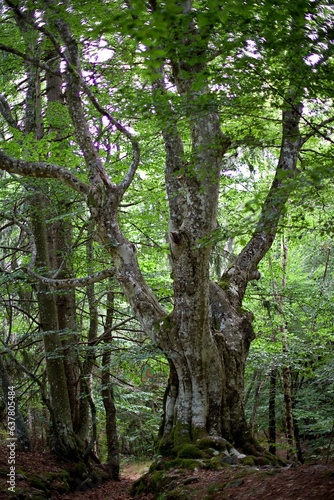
{"x": 295, "y": 482}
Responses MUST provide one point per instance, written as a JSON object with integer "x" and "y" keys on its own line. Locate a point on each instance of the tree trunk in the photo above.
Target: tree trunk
{"x": 64, "y": 441}
{"x": 287, "y": 389}
{"x": 256, "y": 404}
{"x": 272, "y": 411}
{"x": 108, "y": 393}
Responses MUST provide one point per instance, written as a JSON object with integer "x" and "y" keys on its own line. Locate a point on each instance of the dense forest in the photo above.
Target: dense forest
{"x": 166, "y": 257}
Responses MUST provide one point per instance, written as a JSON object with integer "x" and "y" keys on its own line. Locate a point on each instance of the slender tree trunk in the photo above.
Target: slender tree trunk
{"x": 64, "y": 441}
{"x": 256, "y": 404}
{"x": 108, "y": 393}
{"x": 287, "y": 390}
{"x": 256, "y": 374}
{"x": 60, "y": 236}
{"x": 272, "y": 411}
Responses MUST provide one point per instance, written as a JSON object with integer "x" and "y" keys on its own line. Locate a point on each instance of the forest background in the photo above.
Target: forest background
{"x": 133, "y": 106}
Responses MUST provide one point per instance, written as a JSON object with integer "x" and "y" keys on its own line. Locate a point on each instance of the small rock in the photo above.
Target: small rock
{"x": 229, "y": 460}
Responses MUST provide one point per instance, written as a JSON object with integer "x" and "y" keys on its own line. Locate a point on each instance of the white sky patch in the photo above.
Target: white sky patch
{"x": 312, "y": 60}
{"x": 251, "y": 50}
{"x": 100, "y": 53}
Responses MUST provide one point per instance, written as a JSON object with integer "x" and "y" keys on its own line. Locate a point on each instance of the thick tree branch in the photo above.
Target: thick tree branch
{"x": 42, "y": 170}
{"x": 75, "y": 82}
{"x": 175, "y": 157}
{"x": 245, "y": 267}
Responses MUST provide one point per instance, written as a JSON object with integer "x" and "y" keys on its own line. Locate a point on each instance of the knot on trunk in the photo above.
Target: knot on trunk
{"x": 175, "y": 237}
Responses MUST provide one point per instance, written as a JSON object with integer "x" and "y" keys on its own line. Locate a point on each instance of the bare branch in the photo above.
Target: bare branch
{"x": 122, "y": 186}
{"x": 62, "y": 284}
{"x": 59, "y": 283}
{"x": 42, "y": 170}
{"x": 25, "y": 57}
{"x": 316, "y": 130}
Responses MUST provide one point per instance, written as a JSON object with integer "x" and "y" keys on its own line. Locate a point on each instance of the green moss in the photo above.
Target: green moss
{"x": 183, "y": 463}
{"x": 157, "y": 477}
{"x": 159, "y": 464}
{"x": 166, "y": 448}
{"x": 179, "y": 436}
{"x": 140, "y": 486}
{"x": 224, "y": 283}
{"x": 216, "y": 443}
{"x": 212, "y": 491}
{"x": 190, "y": 451}
{"x": 81, "y": 468}
{"x": 215, "y": 464}
{"x": 262, "y": 461}
{"x": 64, "y": 475}
{"x": 249, "y": 460}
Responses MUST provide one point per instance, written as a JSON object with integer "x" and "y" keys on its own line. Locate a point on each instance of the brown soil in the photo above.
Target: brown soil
{"x": 302, "y": 482}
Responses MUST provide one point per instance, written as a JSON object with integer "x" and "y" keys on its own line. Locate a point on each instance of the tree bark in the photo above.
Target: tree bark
{"x": 64, "y": 441}
{"x": 107, "y": 393}
{"x": 272, "y": 411}
{"x": 287, "y": 389}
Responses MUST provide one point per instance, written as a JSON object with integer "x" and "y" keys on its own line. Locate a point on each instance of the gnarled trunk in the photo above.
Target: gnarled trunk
{"x": 206, "y": 386}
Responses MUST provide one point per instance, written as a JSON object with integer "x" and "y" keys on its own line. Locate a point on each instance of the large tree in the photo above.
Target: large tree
{"x": 204, "y": 62}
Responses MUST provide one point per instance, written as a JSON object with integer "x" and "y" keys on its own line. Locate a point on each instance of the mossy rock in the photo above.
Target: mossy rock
{"x": 140, "y": 487}
{"x": 190, "y": 451}
{"x": 151, "y": 483}
{"x": 221, "y": 462}
{"x": 213, "y": 442}
{"x": 184, "y": 463}
{"x": 158, "y": 464}
{"x": 249, "y": 460}
{"x": 166, "y": 448}
{"x": 58, "y": 481}
{"x": 263, "y": 461}
{"x": 260, "y": 460}
{"x": 213, "y": 464}
{"x": 157, "y": 478}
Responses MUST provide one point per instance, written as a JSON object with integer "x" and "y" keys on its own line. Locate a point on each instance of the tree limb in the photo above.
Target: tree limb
{"x": 42, "y": 170}
{"x": 245, "y": 267}
{"x": 60, "y": 283}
